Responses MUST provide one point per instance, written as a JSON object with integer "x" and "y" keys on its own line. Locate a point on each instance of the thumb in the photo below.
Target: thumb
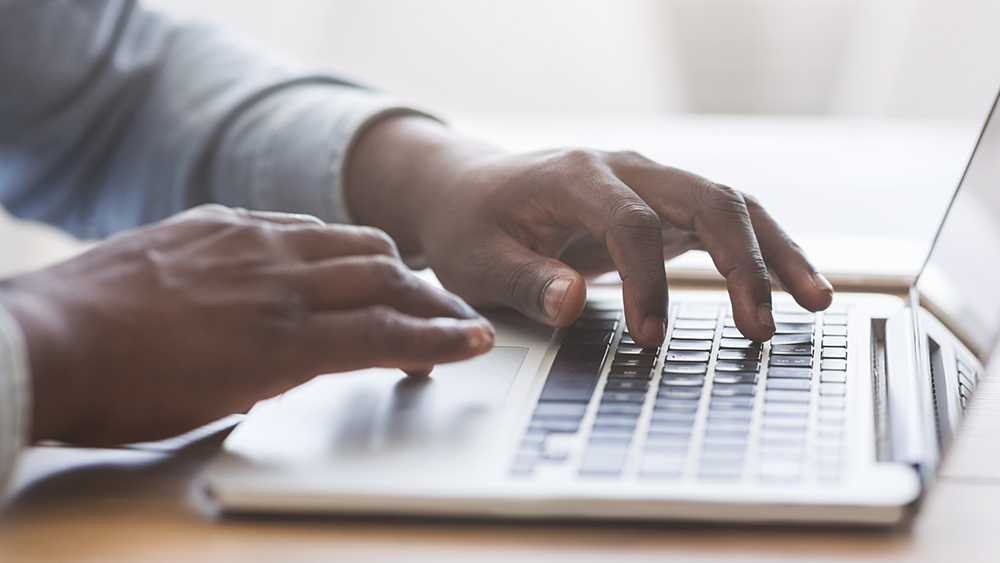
{"x": 542, "y": 288}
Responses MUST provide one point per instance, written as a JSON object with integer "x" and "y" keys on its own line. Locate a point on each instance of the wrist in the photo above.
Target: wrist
{"x": 402, "y": 172}
{"x": 55, "y": 390}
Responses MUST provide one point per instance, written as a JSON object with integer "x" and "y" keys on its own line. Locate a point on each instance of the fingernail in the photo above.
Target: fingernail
{"x": 821, "y": 283}
{"x": 764, "y": 316}
{"x": 478, "y": 334}
{"x": 654, "y": 329}
{"x": 554, "y": 294}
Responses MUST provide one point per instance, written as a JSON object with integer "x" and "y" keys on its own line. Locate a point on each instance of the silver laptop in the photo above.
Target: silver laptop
{"x": 842, "y": 417}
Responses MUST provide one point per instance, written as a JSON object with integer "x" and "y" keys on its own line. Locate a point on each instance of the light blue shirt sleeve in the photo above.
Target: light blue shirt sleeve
{"x": 112, "y": 116}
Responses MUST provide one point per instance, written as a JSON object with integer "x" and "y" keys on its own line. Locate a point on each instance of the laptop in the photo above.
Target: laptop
{"x": 843, "y": 417}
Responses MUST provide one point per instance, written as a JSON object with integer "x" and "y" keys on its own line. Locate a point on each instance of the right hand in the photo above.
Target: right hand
{"x": 166, "y": 328}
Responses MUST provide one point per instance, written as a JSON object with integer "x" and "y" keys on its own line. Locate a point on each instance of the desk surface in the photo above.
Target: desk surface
{"x": 114, "y": 505}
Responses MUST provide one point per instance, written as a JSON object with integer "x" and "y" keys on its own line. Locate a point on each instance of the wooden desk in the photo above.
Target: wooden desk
{"x": 115, "y": 505}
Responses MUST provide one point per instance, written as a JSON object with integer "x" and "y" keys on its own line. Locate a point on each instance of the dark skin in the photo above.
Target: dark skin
{"x": 165, "y": 328}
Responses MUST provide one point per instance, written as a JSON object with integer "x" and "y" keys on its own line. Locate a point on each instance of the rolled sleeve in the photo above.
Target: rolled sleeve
{"x": 15, "y": 395}
{"x": 289, "y": 152}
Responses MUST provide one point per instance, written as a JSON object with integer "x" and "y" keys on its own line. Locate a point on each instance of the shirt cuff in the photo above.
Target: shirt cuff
{"x": 289, "y": 152}
{"x": 15, "y": 394}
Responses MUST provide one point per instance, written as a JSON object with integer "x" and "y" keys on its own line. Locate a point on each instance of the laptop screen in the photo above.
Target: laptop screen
{"x": 960, "y": 282}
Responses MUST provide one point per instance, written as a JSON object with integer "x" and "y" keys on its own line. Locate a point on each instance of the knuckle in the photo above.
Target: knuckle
{"x": 725, "y": 200}
{"x": 378, "y": 241}
{"x": 636, "y": 216}
{"x": 391, "y": 274}
{"x": 579, "y": 157}
{"x": 633, "y": 158}
{"x": 381, "y": 328}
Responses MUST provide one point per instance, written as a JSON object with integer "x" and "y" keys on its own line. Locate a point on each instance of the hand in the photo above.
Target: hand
{"x": 169, "y": 327}
{"x": 523, "y": 230}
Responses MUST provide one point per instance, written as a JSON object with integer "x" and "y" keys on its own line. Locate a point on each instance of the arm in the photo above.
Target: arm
{"x": 523, "y": 230}
{"x": 112, "y": 116}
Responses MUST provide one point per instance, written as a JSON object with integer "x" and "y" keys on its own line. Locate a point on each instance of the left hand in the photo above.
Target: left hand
{"x": 523, "y": 230}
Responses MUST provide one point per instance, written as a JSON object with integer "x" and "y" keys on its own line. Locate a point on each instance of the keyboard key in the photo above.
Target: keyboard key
{"x": 731, "y": 403}
{"x": 620, "y": 372}
{"x": 729, "y": 322}
{"x": 587, "y": 337}
{"x": 834, "y": 331}
{"x": 603, "y": 460}
{"x": 685, "y": 417}
{"x": 626, "y": 385}
{"x": 835, "y": 342}
{"x": 711, "y": 434}
{"x": 784, "y": 424}
{"x": 687, "y": 356}
{"x": 681, "y": 334}
{"x": 620, "y": 420}
{"x": 740, "y": 354}
{"x": 791, "y": 349}
{"x": 676, "y": 405}
{"x": 791, "y": 361}
{"x": 783, "y": 396}
{"x": 833, "y": 365}
{"x": 736, "y": 365}
{"x": 623, "y": 397}
{"x": 605, "y": 325}
{"x": 561, "y": 425}
{"x": 574, "y": 373}
{"x": 831, "y": 402}
{"x": 680, "y": 380}
{"x": 735, "y": 377}
{"x": 835, "y": 319}
{"x": 833, "y": 389}
{"x": 834, "y": 354}
{"x": 786, "y": 409}
{"x": 657, "y": 463}
{"x": 729, "y": 415}
{"x": 733, "y": 390}
{"x": 783, "y": 441}
{"x": 630, "y": 350}
{"x": 611, "y": 434}
{"x": 781, "y": 339}
{"x": 685, "y": 368}
{"x": 715, "y": 450}
{"x": 560, "y": 410}
{"x": 793, "y": 384}
{"x": 619, "y": 408}
{"x": 724, "y": 468}
{"x": 833, "y": 376}
{"x": 679, "y": 393}
{"x": 627, "y": 340}
{"x": 634, "y": 361}
{"x": 669, "y": 424}
{"x": 792, "y": 328}
{"x": 598, "y": 314}
{"x": 738, "y": 343}
{"x": 789, "y": 373}
{"x": 699, "y": 345}
{"x": 695, "y": 324}
{"x": 732, "y": 332}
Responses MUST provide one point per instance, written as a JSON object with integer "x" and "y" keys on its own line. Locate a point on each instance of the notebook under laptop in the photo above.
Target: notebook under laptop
{"x": 842, "y": 417}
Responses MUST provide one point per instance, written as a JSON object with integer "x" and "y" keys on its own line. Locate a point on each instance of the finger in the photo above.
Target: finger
{"x": 383, "y": 337}
{"x": 356, "y": 282}
{"x": 633, "y": 234}
{"x": 312, "y": 242}
{"x": 542, "y": 288}
{"x": 789, "y": 263}
{"x": 280, "y": 218}
{"x": 720, "y": 217}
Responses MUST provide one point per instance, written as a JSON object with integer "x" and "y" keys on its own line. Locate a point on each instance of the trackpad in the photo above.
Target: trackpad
{"x": 378, "y": 412}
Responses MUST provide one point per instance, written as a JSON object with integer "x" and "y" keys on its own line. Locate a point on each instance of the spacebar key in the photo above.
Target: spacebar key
{"x": 574, "y": 373}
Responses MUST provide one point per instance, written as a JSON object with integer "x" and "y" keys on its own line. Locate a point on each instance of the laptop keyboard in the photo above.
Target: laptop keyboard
{"x": 708, "y": 405}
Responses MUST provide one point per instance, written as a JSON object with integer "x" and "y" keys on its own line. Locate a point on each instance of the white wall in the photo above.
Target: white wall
{"x": 914, "y": 58}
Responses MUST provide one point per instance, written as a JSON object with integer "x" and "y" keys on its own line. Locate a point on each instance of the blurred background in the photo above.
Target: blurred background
{"x": 774, "y": 79}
